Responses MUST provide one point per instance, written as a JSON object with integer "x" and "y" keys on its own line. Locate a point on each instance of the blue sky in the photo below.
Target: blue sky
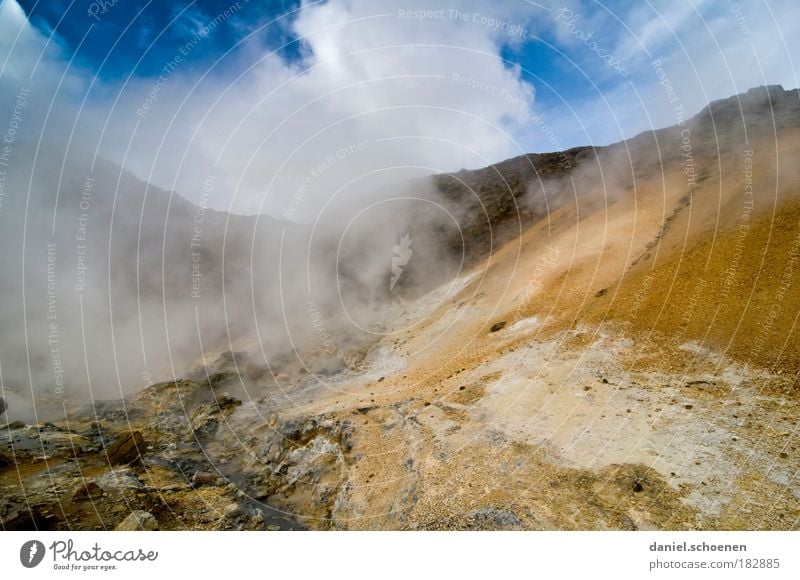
{"x": 128, "y": 37}
{"x": 270, "y": 88}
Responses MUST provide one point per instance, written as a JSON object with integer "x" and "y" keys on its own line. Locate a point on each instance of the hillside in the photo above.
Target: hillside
{"x": 618, "y": 350}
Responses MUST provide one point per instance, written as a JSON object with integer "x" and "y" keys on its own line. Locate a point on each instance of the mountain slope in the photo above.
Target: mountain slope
{"x": 629, "y": 360}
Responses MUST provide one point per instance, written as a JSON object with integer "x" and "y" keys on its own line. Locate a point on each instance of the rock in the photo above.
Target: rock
{"x": 47, "y": 427}
{"x": 16, "y": 514}
{"x": 118, "y": 479}
{"x": 257, "y": 517}
{"x": 207, "y": 417}
{"x": 173, "y": 488}
{"x": 137, "y": 521}
{"x": 233, "y": 510}
{"x": 226, "y": 403}
{"x": 126, "y": 449}
{"x": 217, "y": 378}
{"x": 311, "y": 462}
{"x": 88, "y": 491}
{"x": 94, "y": 428}
{"x": 3, "y": 405}
{"x": 201, "y": 478}
{"x": 495, "y": 518}
{"x": 273, "y": 453}
{"x": 601, "y": 292}
{"x": 204, "y": 427}
{"x": 97, "y": 432}
{"x": 498, "y": 326}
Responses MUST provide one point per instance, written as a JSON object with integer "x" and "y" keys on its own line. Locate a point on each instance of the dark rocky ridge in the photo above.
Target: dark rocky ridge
{"x": 493, "y": 200}
{"x": 498, "y": 202}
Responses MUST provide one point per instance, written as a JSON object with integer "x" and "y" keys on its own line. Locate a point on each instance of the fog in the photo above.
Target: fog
{"x": 303, "y": 179}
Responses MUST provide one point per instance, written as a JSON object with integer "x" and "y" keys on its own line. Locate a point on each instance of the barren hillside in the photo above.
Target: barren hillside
{"x": 628, "y": 359}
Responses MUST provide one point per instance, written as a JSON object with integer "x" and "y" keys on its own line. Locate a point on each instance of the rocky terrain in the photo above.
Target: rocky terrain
{"x": 618, "y": 350}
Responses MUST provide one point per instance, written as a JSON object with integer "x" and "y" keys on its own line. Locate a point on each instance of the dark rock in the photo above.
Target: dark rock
{"x": 217, "y": 378}
{"x": 88, "y": 491}
{"x": 205, "y": 428}
{"x": 126, "y": 449}
{"x": 489, "y": 199}
{"x": 206, "y": 418}
{"x": 601, "y": 292}
{"x": 111, "y": 410}
{"x": 201, "y": 478}
{"x": 3, "y": 405}
{"x": 20, "y": 516}
{"x": 226, "y": 403}
{"x": 289, "y": 428}
{"x": 498, "y": 326}
{"x": 98, "y": 434}
{"x": 48, "y": 428}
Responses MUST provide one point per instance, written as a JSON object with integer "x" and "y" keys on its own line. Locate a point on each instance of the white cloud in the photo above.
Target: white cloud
{"x": 372, "y": 75}
{"x": 426, "y": 90}
{"x": 431, "y": 93}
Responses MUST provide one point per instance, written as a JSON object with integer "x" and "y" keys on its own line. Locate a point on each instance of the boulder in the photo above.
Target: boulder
{"x": 207, "y": 417}
{"x": 201, "y": 478}
{"x": 126, "y": 449}
{"x": 16, "y": 514}
{"x": 87, "y": 491}
{"x": 137, "y": 521}
{"x": 119, "y": 479}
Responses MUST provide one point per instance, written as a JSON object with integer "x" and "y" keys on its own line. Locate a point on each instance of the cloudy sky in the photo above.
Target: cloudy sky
{"x": 292, "y": 105}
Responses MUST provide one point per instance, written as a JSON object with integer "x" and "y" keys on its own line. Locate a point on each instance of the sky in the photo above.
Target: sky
{"x": 294, "y": 105}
